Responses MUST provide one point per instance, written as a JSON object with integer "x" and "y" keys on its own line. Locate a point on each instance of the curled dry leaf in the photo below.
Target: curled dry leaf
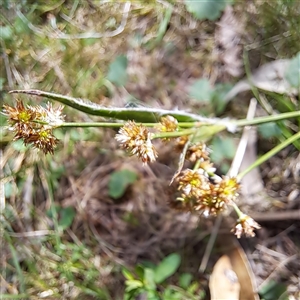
{"x": 242, "y": 268}
{"x": 224, "y": 282}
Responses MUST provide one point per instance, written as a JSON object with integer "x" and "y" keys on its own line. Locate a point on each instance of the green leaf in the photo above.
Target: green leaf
{"x": 2, "y": 80}
{"x": 222, "y": 148}
{"x": 3, "y": 121}
{"x": 138, "y": 114}
{"x": 147, "y": 264}
{"x": 117, "y": 71}
{"x": 170, "y": 294}
{"x": 131, "y": 295}
{"x": 8, "y": 189}
{"x": 218, "y": 101}
{"x": 185, "y": 280}
{"x": 50, "y": 6}
{"x": 19, "y": 146}
{"x": 67, "y": 215}
{"x": 127, "y": 274}
{"x": 274, "y": 290}
{"x": 133, "y": 284}
{"x": 292, "y": 74}
{"x": 152, "y": 295}
{"x": 5, "y": 4}
{"x": 20, "y": 27}
{"x": 201, "y": 90}
{"x": 52, "y": 211}
{"x": 119, "y": 181}
{"x": 149, "y": 282}
{"x": 208, "y": 9}
{"x": 167, "y": 267}
{"x": 269, "y": 130}
{"x": 140, "y": 268}
{"x": 193, "y": 288}
{"x": 6, "y": 33}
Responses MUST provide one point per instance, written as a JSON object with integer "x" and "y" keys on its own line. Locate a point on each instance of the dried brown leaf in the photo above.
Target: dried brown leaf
{"x": 223, "y": 282}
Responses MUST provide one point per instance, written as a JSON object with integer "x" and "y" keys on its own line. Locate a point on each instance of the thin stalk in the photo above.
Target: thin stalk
{"x": 269, "y": 154}
{"x": 52, "y": 206}
{"x": 249, "y": 77}
{"x": 267, "y": 119}
{"x": 174, "y": 133}
{"x": 237, "y": 210}
{"x": 197, "y": 165}
{"x": 117, "y": 125}
{"x": 15, "y": 260}
{"x": 99, "y": 124}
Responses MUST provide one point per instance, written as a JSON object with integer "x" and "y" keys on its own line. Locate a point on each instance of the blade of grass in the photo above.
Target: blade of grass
{"x": 284, "y": 130}
{"x": 162, "y": 29}
{"x": 269, "y": 154}
{"x": 15, "y": 259}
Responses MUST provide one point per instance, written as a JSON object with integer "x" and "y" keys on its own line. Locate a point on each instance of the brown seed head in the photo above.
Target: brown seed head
{"x": 210, "y": 203}
{"x": 227, "y": 189}
{"x": 34, "y": 124}
{"x": 193, "y": 183}
{"x": 42, "y": 139}
{"x": 197, "y": 151}
{"x": 136, "y": 139}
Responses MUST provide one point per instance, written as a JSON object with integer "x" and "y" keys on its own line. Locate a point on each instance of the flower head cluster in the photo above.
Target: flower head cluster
{"x": 208, "y": 197}
{"x": 198, "y": 151}
{"x": 245, "y": 225}
{"x": 193, "y": 183}
{"x": 201, "y": 189}
{"x": 34, "y": 124}
{"x": 137, "y": 139}
{"x": 167, "y": 124}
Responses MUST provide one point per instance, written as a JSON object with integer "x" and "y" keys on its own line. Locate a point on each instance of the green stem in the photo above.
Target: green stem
{"x": 267, "y": 119}
{"x": 52, "y": 205}
{"x": 237, "y": 210}
{"x": 110, "y": 124}
{"x": 98, "y": 124}
{"x": 173, "y": 134}
{"x": 269, "y": 154}
{"x": 117, "y": 125}
{"x": 197, "y": 164}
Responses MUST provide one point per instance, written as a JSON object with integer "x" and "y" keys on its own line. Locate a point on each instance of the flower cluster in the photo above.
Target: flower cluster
{"x": 34, "y": 124}
{"x": 137, "y": 139}
{"x": 245, "y": 225}
{"x": 203, "y": 193}
{"x": 167, "y": 124}
{"x": 200, "y": 189}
